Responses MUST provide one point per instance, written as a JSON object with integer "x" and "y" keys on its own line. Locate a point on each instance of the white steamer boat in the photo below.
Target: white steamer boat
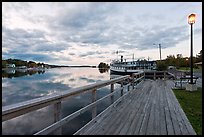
{"x": 129, "y": 67}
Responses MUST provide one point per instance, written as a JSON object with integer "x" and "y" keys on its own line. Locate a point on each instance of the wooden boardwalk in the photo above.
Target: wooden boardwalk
{"x": 151, "y": 109}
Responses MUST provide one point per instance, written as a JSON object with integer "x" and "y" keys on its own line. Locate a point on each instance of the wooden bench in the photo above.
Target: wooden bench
{"x": 184, "y": 80}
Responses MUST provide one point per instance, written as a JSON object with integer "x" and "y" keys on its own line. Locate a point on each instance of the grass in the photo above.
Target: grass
{"x": 191, "y": 103}
{"x": 188, "y": 69}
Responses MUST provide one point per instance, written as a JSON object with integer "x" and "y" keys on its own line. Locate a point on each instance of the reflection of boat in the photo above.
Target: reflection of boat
{"x": 129, "y": 67}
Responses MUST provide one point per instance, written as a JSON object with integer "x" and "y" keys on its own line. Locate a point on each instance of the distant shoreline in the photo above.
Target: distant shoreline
{"x": 50, "y": 66}
{"x": 18, "y": 63}
{"x": 56, "y": 66}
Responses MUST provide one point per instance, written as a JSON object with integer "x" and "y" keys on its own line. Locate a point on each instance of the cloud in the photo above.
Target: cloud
{"x": 29, "y": 56}
{"x": 167, "y": 36}
{"x": 95, "y": 24}
{"x": 83, "y": 26}
{"x": 72, "y": 54}
{"x": 22, "y": 7}
{"x": 90, "y": 53}
{"x": 33, "y": 43}
{"x": 75, "y": 18}
{"x": 108, "y": 26}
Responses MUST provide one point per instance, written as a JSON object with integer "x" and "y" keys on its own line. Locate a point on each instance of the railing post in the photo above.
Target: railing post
{"x": 93, "y": 100}
{"x": 164, "y": 75}
{"x": 144, "y": 75}
{"x": 133, "y": 79}
{"x": 128, "y": 87}
{"x": 57, "y": 116}
{"x": 154, "y": 75}
{"x": 112, "y": 97}
{"x": 121, "y": 93}
{"x": 137, "y": 76}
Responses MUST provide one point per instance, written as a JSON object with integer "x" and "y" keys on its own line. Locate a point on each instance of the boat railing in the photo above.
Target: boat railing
{"x": 16, "y": 110}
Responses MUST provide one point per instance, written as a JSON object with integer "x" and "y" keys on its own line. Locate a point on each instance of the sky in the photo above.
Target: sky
{"x": 87, "y": 33}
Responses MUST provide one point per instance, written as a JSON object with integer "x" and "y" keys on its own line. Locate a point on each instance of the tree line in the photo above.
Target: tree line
{"x": 103, "y": 65}
{"x": 18, "y": 63}
{"x": 178, "y": 61}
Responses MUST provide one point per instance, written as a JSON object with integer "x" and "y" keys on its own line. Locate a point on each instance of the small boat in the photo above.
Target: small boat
{"x": 129, "y": 67}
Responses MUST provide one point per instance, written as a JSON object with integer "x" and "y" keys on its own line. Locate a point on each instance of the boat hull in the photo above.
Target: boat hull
{"x": 124, "y": 72}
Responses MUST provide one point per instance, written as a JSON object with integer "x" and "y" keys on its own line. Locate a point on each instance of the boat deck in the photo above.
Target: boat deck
{"x": 151, "y": 109}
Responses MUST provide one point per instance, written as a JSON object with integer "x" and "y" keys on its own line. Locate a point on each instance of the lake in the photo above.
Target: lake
{"x": 19, "y": 86}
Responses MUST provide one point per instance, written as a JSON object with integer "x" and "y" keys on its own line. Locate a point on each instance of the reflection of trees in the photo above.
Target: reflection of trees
{"x": 103, "y": 70}
{"x": 20, "y": 73}
{"x": 41, "y": 72}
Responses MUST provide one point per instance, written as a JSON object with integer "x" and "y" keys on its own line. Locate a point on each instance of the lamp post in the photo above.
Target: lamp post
{"x": 191, "y": 86}
{"x": 159, "y": 50}
{"x": 191, "y": 21}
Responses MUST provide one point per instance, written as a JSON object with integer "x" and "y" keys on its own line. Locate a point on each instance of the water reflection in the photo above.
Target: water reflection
{"x": 10, "y": 73}
{"x": 113, "y": 76}
{"x": 103, "y": 70}
{"x": 54, "y": 80}
{"x": 26, "y": 124}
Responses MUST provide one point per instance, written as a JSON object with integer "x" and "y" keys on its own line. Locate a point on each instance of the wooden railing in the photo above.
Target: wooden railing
{"x": 15, "y": 110}
{"x": 158, "y": 74}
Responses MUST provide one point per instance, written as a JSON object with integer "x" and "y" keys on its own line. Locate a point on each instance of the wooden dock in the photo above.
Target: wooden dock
{"x": 151, "y": 109}
{"x": 145, "y": 107}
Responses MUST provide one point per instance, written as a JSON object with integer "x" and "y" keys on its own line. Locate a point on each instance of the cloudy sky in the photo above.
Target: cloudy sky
{"x": 90, "y": 33}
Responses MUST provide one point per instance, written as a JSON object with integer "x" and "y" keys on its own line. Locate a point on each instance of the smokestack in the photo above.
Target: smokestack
{"x": 121, "y": 58}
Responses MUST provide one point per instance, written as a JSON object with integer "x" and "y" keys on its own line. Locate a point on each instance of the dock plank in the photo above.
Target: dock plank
{"x": 125, "y": 117}
{"x": 140, "y": 105}
{"x": 142, "y": 116}
{"x": 150, "y": 126}
{"x": 157, "y": 110}
{"x": 126, "y": 113}
{"x": 181, "y": 123}
{"x": 150, "y": 109}
{"x": 175, "y": 123}
{"x": 162, "y": 120}
{"x": 183, "y": 120}
{"x": 123, "y": 125}
{"x": 107, "y": 123}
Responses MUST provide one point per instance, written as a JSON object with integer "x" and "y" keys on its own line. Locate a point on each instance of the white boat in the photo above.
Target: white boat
{"x": 129, "y": 67}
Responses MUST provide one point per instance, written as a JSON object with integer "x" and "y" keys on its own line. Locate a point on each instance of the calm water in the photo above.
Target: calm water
{"x": 19, "y": 86}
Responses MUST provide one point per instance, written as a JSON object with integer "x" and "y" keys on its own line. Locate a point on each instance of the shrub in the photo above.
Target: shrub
{"x": 161, "y": 66}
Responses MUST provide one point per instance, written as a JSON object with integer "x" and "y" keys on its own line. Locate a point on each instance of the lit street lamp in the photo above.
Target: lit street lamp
{"x": 191, "y": 21}
{"x": 191, "y": 86}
